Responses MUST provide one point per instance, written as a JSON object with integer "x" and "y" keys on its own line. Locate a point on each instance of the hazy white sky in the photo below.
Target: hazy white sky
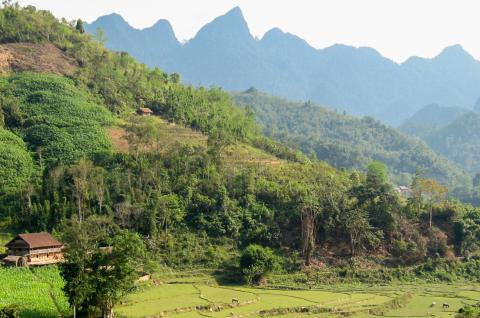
{"x": 396, "y": 28}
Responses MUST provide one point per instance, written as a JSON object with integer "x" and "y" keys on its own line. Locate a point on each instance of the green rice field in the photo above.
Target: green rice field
{"x": 183, "y": 300}
{"x": 38, "y": 293}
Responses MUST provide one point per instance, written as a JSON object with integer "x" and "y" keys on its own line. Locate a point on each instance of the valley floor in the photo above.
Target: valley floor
{"x": 197, "y": 300}
{"x": 194, "y": 295}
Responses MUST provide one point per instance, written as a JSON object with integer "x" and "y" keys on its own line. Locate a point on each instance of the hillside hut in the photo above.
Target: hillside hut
{"x": 403, "y": 191}
{"x": 33, "y": 249}
{"x": 144, "y": 111}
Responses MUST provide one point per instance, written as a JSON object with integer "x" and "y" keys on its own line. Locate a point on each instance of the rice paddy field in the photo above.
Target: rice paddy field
{"x": 195, "y": 300}
{"x": 38, "y": 293}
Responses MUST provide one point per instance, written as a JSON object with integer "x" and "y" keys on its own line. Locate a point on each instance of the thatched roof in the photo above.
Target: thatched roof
{"x": 34, "y": 240}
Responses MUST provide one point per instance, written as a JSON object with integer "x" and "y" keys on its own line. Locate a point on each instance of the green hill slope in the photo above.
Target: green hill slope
{"x": 430, "y": 118}
{"x": 450, "y": 131}
{"x": 345, "y": 141}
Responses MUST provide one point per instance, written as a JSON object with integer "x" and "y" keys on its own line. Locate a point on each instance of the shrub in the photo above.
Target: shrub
{"x": 469, "y": 311}
{"x": 437, "y": 244}
{"x": 257, "y": 261}
{"x": 9, "y": 312}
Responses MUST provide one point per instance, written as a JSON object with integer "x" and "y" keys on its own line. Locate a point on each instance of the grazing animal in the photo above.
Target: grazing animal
{"x": 235, "y": 301}
{"x": 433, "y": 304}
{"x": 446, "y": 305}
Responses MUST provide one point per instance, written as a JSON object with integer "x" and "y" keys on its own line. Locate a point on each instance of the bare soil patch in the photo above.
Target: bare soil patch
{"x": 35, "y": 57}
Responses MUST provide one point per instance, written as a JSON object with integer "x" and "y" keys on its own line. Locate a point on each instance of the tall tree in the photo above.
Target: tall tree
{"x": 433, "y": 192}
{"x": 96, "y": 278}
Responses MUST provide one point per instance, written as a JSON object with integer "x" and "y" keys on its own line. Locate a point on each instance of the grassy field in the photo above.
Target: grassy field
{"x": 38, "y": 293}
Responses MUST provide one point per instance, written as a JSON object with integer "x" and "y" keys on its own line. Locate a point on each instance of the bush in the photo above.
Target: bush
{"x": 257, "y": 261}
{"x": 437, "y": 244}
{"x": 9, "y": 312}
{"x": 469, "y": 311}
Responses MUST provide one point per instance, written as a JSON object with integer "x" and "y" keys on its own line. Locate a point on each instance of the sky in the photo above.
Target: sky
{"x": 398, "y": 29}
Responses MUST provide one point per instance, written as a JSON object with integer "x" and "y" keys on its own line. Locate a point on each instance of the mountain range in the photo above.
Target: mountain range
{"x": 359, "y": 81}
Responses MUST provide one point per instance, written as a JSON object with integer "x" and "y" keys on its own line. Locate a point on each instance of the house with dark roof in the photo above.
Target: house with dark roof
{"x": 33, "y": 249}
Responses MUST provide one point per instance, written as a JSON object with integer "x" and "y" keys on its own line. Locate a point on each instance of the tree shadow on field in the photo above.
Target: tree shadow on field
{"x": 228, "y": 273}
{"x": 36, "y": 313}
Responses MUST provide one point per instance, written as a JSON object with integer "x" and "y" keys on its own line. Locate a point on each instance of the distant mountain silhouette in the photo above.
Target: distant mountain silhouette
{"x": 358, "y": 80}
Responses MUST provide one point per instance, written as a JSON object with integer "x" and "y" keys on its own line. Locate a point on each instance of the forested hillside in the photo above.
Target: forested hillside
{"x": 348, "y": 142}
{"x": 76, "y": 161}
{"x": 358, "y": 80}
{"x": 431, "y": 118}
{"x": 452, "y": 132}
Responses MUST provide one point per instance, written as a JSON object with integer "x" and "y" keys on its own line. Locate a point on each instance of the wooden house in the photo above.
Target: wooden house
{"x": 33, "y": 249}
{"x": 144, "y": 111}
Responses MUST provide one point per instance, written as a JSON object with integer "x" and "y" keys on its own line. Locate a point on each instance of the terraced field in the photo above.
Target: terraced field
{"x": 37, "y": 292}
{"x": 170, "y": 135}
{"x": 197, "y": 299}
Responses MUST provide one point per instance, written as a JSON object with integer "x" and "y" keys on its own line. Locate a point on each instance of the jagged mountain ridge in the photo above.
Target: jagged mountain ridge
{"x": 358, "y": 80}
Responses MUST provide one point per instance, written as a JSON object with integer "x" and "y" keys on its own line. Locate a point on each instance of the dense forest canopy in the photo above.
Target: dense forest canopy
{"x": 450, "y": 131}
{"x": 348, "y": 142}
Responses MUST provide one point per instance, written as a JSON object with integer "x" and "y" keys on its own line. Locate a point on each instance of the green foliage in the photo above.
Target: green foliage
{"x": 378, "y": 170}
{"x": 16, "y": 163}
{"x": 348, "y": 142}
{"x": 97, "y": 278}
{"x": 29, "y": 25}
{"x": 9, "y": 312}
{"x": 469, "y": 311}
{"x": 59, "y": 121}
{"x": 257, "y": 261}
{"x": 450, "y": 131}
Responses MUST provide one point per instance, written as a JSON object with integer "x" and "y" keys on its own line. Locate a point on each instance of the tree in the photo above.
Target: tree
{"x": 377, "y": 170}
{"x": 175, "y": 78}
{"x": 81, "y": 187}
{"x": 11, "y": 114}
{"x": 306, "y": 200}
{"x": 432, "y": 192}
{"x": 96, "y": 278}
{"x": 98, "y": 186}
{"x": 79, "y": 26}
{"x": 100, "y": 36}
{"x": 257, "y": 261}
{"x": 357, "y": 226}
